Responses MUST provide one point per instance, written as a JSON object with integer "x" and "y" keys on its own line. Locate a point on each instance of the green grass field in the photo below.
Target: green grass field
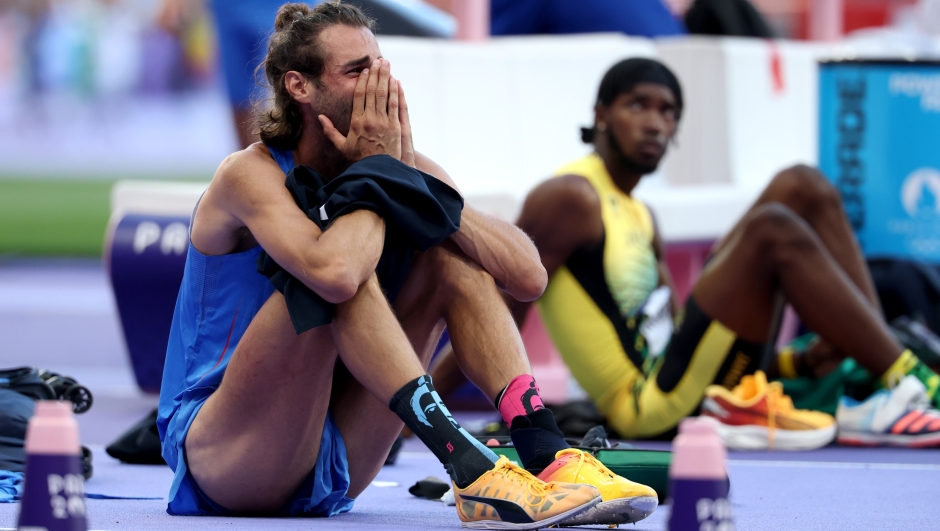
{"x": 47, "y": 217}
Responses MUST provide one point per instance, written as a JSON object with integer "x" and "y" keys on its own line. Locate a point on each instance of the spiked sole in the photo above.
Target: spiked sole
{"x": 499, "y": 524}
{"x": 615, "y": 512}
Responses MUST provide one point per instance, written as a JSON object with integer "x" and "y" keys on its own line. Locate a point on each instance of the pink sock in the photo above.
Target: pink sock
{"x": 520, "y": 397}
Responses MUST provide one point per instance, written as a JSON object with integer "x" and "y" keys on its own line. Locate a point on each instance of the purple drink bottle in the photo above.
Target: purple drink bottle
{"x": 54, "y": 489}
{"x": 698, "y": 477}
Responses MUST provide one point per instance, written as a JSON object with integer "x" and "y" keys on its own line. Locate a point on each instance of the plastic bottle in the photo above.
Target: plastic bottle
{"x": 699, "y": 480}
{"x": 54, "y": 489}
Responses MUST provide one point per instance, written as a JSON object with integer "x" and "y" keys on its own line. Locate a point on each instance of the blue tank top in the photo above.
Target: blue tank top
{"x": 218, "y": 298}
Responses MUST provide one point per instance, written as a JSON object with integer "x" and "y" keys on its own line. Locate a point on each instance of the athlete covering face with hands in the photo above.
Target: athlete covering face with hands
{"x": 258, "y": 418}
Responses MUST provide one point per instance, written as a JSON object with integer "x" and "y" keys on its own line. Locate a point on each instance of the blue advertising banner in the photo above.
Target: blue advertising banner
{"x": 879, "y": 143}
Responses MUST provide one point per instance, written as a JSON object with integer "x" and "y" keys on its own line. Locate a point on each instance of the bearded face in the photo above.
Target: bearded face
{"x": 337, "y": 107}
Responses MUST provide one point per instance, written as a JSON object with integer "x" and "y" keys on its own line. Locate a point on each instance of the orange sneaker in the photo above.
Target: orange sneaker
{"x": 624, "y": 501}
{"x": 509, "y": 497}
{"x": 756, "y": 415}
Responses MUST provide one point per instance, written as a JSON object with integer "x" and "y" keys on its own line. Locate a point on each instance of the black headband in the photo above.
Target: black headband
{"x": 626, "y": 74}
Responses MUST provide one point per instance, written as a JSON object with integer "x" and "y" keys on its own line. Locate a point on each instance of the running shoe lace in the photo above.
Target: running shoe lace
{"x": 534, "y": 485}
{"x": 776, "y": 402}
{"x": 585, "y": 457}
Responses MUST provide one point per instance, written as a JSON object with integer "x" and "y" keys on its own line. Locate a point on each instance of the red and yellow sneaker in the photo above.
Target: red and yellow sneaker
{"x": 756, "y": 415}
{"x": 509, "y": 497}
{"x": 623, "y": 501}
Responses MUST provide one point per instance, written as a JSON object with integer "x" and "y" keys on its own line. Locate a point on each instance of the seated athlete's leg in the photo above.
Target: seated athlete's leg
{"x": 281, "y": 382}
{"x": 439, "y": 279}
{"x": 776, "y": 249}
{"x": 488, "y": 349}
{"x": 486, "y": 342}
{"x": 732, "y": 307}
{"x": 369, "y": 342}
{"x": 256, "y": 438}
{"x": 808, "y": 193}
{"x": 367, "y": 424}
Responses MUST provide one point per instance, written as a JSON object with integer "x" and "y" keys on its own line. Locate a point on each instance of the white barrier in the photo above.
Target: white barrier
{"x": 502, "y": 115}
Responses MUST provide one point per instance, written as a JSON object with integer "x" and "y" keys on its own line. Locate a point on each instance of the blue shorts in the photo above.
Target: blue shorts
{"x": 323, "y": 493}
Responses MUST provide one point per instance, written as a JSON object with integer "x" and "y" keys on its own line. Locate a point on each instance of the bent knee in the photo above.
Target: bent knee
{"x": 454, "y": 272}
{"x": 805, "y": 190}
{"x": 775, "y": 230}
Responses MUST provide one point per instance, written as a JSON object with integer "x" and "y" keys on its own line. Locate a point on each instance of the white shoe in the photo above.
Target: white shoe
{"x": 891, "y": 417}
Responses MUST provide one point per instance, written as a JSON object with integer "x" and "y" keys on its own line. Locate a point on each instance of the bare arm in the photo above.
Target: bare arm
{"x": 561, "y": 215}
{"x": 248, "y": 191}
{"x": 665, "y": 277}
{"x": 499, "y": 247}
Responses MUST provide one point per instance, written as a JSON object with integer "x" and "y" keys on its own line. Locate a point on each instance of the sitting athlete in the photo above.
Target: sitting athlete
{"x": 605, "y": 261}
{"x": 256, "y": 418}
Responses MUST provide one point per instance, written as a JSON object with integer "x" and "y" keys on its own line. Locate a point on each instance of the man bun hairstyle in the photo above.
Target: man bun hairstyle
{"x": 625, "y": 75}
{"x": 295, "y": 45}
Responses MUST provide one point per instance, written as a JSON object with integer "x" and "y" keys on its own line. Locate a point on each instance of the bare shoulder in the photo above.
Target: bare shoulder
{"x": 567, "y": 196}
{"x": 244, "y": 170}
{"x": 243, "y": 180}
{"x": 425, "y": 164}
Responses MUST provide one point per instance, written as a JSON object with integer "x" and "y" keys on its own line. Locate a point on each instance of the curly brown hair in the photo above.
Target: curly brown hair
{"x": 295, "y": 46}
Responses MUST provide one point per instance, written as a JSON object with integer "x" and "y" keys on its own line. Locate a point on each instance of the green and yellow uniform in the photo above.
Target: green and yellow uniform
{"x": 592, "y": 310}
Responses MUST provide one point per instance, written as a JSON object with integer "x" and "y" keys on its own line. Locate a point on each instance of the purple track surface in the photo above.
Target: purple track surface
{"x": 60, "y": 315}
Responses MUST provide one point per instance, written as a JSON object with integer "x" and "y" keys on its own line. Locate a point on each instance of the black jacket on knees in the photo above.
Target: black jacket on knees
{"x": 419, "y": 210}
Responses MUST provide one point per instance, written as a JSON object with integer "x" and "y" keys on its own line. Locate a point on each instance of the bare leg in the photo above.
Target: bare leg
{"x": 806, "y": 192}
{"x": 772, "y": 248}
{"x": 255, "y": 466}
{"x": 282, "y": 382}
{"x": 274, "y": 454}
{"x": 440, "y": 280}
{"x": 487, "y": 344}
{"x": 487, "y": 348}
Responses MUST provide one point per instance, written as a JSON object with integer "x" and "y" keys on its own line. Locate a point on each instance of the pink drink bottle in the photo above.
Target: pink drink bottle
{"x": 698, "y": 480}
{"x": 54, "y": 490}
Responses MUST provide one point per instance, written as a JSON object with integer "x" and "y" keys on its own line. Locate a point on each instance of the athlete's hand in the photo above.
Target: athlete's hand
{"x": 407, "y": 146}
{"x": 374, "y": 128}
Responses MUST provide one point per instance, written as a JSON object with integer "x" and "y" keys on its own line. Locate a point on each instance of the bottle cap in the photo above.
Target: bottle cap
{"x": 698, "y": 452}
{"x": 52, "y": 430}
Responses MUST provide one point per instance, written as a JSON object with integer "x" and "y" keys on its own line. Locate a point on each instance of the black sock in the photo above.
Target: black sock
{"x": 464, "y": 458}
{"x": 537, "y": 439}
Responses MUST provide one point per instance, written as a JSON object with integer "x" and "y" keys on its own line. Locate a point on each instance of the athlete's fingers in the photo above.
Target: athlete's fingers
{"x": 407, "y": 144}
{"x": 371, "y": 85}
{"x": 393, "y": 102}
{"x": 332, "y": 133}
{"x": 359, "y": 94}
{"x": 382, "y": 89}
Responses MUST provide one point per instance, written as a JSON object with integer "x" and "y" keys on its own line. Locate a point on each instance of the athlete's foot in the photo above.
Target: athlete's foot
{"x": 623, "y": 501}
{"x": 757, "y": 415}
{"x": 902, "y": 416}
{"x": 509, "y": 497}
